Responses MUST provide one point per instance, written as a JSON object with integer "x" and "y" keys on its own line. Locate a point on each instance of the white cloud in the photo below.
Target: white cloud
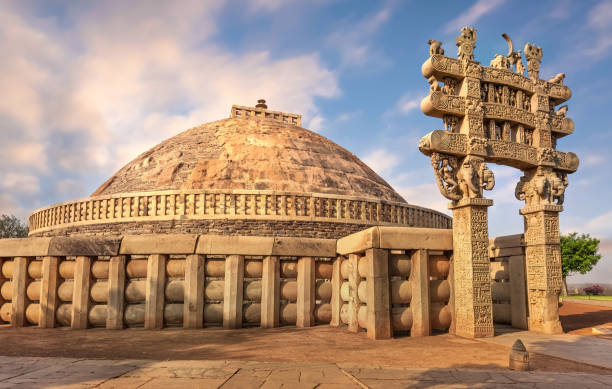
{"x": 600, "y": 20}
{"x": 118, "y": 77}
{"x": 472, "y": 14}
{"x": 381, "y": 161}
{"x": 353, "y": 41}
{"x": 408, "y": 103}
{"x": 8, "y": 206}
{"x": 22, "y": 184}
{"x": 424, "y": 195}
{"x": 600, "y": 225}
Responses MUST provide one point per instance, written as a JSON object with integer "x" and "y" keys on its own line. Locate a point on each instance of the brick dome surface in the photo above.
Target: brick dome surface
{"x": 256, "y": 173}
{"x": 252, "y": 154}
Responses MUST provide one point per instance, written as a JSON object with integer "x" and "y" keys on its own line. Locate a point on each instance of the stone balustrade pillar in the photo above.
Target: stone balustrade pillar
{"x": 19, "y": 300}
{"x": 270, "y": 292}
{"x": 233, "y": 291}
{"x": 116, "y": 292}
{"x": 48, "y": 292}
{"x": 420, "y": 302}
{"x": 305, "y": 292}
{"x": 80, "y": 294}
{"x": 155, "y": 291}
{"x": 377, "y": 294}
{"x": 354, "y": 302}
{"x": 336, "y": 298}
{"x": 193, "y": 304}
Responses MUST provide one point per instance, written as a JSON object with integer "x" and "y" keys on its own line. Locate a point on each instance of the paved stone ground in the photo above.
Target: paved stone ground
{"x": 593, "y": 351}
{"x": 600, "y": 303}
{"x": 33, "y": 372}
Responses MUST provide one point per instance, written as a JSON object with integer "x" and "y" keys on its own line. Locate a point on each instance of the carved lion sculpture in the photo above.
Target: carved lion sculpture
{"x": 562, "y": 111}
{"x": 500, "y": 62}
{"x": 558, "y": 79}
{"x": 434, "y": 85}
{"x": 435, "y": 47}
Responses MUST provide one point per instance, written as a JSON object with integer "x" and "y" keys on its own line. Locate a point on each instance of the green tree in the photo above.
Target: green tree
{"x": 12, "y": 227}
{"x": 579, "y": 253}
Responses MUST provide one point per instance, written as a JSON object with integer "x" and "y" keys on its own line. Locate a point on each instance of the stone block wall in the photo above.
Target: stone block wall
{"x": 508, "y": 285}
{"x": 156, "y": 281}
{"x": 393, "y": 281}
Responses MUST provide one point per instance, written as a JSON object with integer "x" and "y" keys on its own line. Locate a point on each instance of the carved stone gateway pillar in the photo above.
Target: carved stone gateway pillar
{"x": 543, "y": 191}
{"x": 495, "y": 114}
{"x": 473, "y": 308}
{"x": 543, "y": 262}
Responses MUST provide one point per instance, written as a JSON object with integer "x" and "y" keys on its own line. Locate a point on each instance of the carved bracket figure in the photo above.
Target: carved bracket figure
{"x": 474, "y": 176}
{"x": 445, "y": 170}
{"x": 542, "y": 187}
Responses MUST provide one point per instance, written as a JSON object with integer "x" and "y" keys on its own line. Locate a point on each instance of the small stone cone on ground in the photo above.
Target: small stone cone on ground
{"x": 519, "y": 357}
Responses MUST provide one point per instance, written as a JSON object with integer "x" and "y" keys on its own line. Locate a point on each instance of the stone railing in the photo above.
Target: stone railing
{"x": 393, "y": 279}
{"x": 508, "y": 288}
{"x": 166, "y": 280}
{"x": 238, "y": 204}
{"x": 384, "y": 279}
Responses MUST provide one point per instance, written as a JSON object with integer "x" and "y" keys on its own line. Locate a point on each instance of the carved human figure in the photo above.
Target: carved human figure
{"x": 520, "y": 68}
{"x": 450, "y": 86}
{"x": 498, "y": 94}
{"x": 498, "y": 132}
{"x": 529, "y": 137}
{"x": 445, "y": 170}
{"x": 520, "y": 134}
{"x": 450, "y": 123}
{"x": 435, "y": 47}
{"x": 527, "y": 103}
{"x": 512, "y": 97}
{"x": 533, "y": 54}
{"x": 484, "y": 92}
{"x": 506, "y": 132}
{"x": 466, "y": 42}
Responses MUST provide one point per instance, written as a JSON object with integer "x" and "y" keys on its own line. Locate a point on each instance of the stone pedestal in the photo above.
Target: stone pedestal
{"x": 543, "y": 265}
{"x": 473, "y": 307}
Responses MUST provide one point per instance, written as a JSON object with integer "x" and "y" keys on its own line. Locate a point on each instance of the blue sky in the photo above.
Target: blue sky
{"x": 87, "y": 86}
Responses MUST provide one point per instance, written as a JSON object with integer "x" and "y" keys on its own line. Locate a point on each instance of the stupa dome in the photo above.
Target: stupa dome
{"x": 257, "y": 173}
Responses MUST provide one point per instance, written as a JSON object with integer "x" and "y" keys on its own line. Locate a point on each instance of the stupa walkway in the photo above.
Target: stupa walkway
{"x": 37, "y": 372}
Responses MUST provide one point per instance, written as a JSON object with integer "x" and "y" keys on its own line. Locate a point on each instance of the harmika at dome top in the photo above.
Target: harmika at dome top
{"x": 256, "y": 173}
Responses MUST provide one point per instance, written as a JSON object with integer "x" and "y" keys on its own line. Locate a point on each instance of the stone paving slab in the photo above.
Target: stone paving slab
{"x": 589, "y": 350}
{"x": 91, "y": 373}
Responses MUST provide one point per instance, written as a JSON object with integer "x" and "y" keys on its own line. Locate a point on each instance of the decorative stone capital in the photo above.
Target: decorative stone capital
{"x": 540, "y": 208}
{"x": 482, "y": 202}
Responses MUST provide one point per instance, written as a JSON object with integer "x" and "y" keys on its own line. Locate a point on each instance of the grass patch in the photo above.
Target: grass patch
{"x": 579, "y": 297}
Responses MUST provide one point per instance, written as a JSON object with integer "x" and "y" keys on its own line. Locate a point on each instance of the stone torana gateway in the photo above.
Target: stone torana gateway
{"x": 255, "y": 221}
{"x": 496, "y": 114}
